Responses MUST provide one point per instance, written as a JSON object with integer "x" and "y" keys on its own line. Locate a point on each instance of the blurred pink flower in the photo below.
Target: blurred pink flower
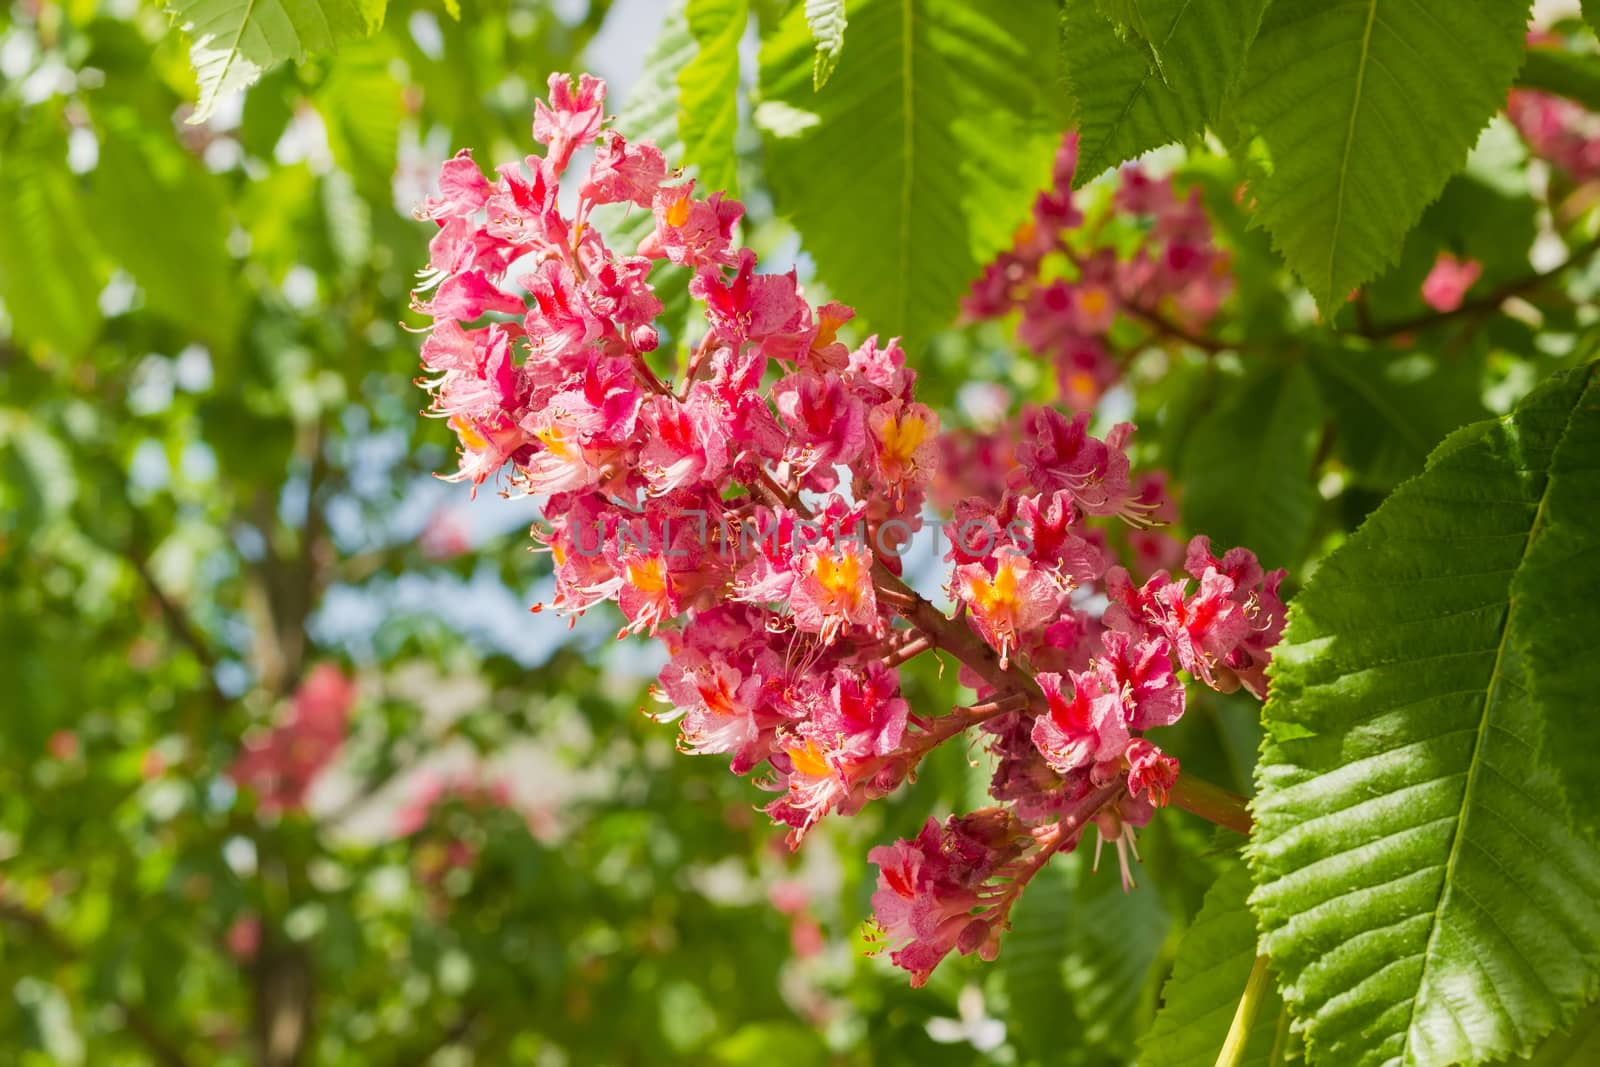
{"x": 63, "y": 745}
{"x": 445, "y": 536}
{"x": 1447, "y": 283}
{"x": 243, "y": 938}
{"x": 281, "y": 764}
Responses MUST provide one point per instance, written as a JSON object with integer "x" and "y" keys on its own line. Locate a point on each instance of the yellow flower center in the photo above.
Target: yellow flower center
{"x": 554, "y": 442}
{"x": 902, "y": 437}
{"x": 648, "y": 575}
{"x": 808, "y": 761}
{"x": 840, "y": 575}
{"x": 827, "y": 331}
{"x": 1093, "y": 299}
{"x": 469, "y": 434}
{"x": 996, "y": 599}
{"x": 678, "y": 212}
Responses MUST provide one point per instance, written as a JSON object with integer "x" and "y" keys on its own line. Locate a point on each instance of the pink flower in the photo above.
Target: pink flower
{"x": 560, "y": 320}
{"x": 833, "y": 590}
{"x": 865, "y": 714}
{"x": 1083, "y": 727}
{"x": 1046, "y": 524}
{"x": 1558, "y": 130}
{"x": 751, "y": 307}
{"x": 933, "y": 895}
{"x": 1009, "y": 600}
{"x": 1447, "y": 283}
{"x": 445, "y": 536}
{"x": 1203, "y": 627}
{"x": 826, "y": 425}
{"x": 1150, "y": 771}
{"x": 904, "y": 451}
{"x": 625, "y": 172}
{"x": 525, "y": 212}
{"x": 468, "y": 296}
{"x": 1058, "y": 453}
{"x": 686, "y": 443}
{"x": 431, "y": 791}
{"x": 1141, "y": 675}
{"x": 572, "y": 119}
{"x": 462, "y": 189}
{"x": 717, "y": 702}
{"x": 692, "y": 233}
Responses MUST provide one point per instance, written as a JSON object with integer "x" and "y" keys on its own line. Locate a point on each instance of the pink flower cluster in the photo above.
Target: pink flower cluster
{"x": 1557, "y": 129}
{"x": 1069, "y": 284}
{"x": 280, "y": 764}
{"x": 747, "y": 512}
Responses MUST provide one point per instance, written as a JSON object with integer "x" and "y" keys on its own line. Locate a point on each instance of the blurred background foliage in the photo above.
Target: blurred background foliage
{"x": 215, "y": 480}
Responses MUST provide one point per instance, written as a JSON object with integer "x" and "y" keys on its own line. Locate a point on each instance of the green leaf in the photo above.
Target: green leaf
{"x": 1128, "y": 16}
{"x": 1591, "y": 14}
{"x": 163, "y": 217}
{"x": 1208, "y": 978}
{"x": 1126, "y": 106}
{"x": 1570, "y": 74}
{"x": 50, "y": 275}
{"x": 1248, "y": 466}
{"x": 917, "y": 165}
{"x": 1556, "y": 589}
{"x": 708, "y": 92}
{"x": 1117, "y": 943}
{"x": 363, "y": 107}
{"x": 232, "y": 42}
{"x": 1578, "y": 1047}
{"x": 1357, "y": 114}
{"x": 1420, "y": 893}
{"x": 1122, "y": 106}
{"x": 1030, "y": 961}
{"x": 827, "y": 21}
{"x": 652, "y": 109}
{"x": 1393, "y": 408}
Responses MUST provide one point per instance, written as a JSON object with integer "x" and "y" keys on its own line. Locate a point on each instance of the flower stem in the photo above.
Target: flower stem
{"x": 1255, "y": 989}
{"x": 1212, "y": 803}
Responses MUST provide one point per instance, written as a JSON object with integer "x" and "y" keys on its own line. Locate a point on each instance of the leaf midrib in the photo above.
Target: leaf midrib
{"x": 1349, "y": 141}
{"x": 233, "y": 50}
{"x": 1099, "y": 163}
{"x": 1475, "y": 760}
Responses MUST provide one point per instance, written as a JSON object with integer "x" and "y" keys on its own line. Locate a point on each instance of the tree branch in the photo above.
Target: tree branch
{"x": 1487, "y": 302}
{"x": 1159, "y": 322}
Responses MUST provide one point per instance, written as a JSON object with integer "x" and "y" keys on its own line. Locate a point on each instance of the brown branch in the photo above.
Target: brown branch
{"x": 176, "y": 618}
{"x": 1488, "y": 302}
{"x": 1159, "y": 322}
{"x": 163, "y": 1048}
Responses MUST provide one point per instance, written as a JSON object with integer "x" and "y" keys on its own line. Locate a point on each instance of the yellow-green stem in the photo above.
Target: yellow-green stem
{"x": 1211, "y": 802}
{"x": 1255, "y": 990}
